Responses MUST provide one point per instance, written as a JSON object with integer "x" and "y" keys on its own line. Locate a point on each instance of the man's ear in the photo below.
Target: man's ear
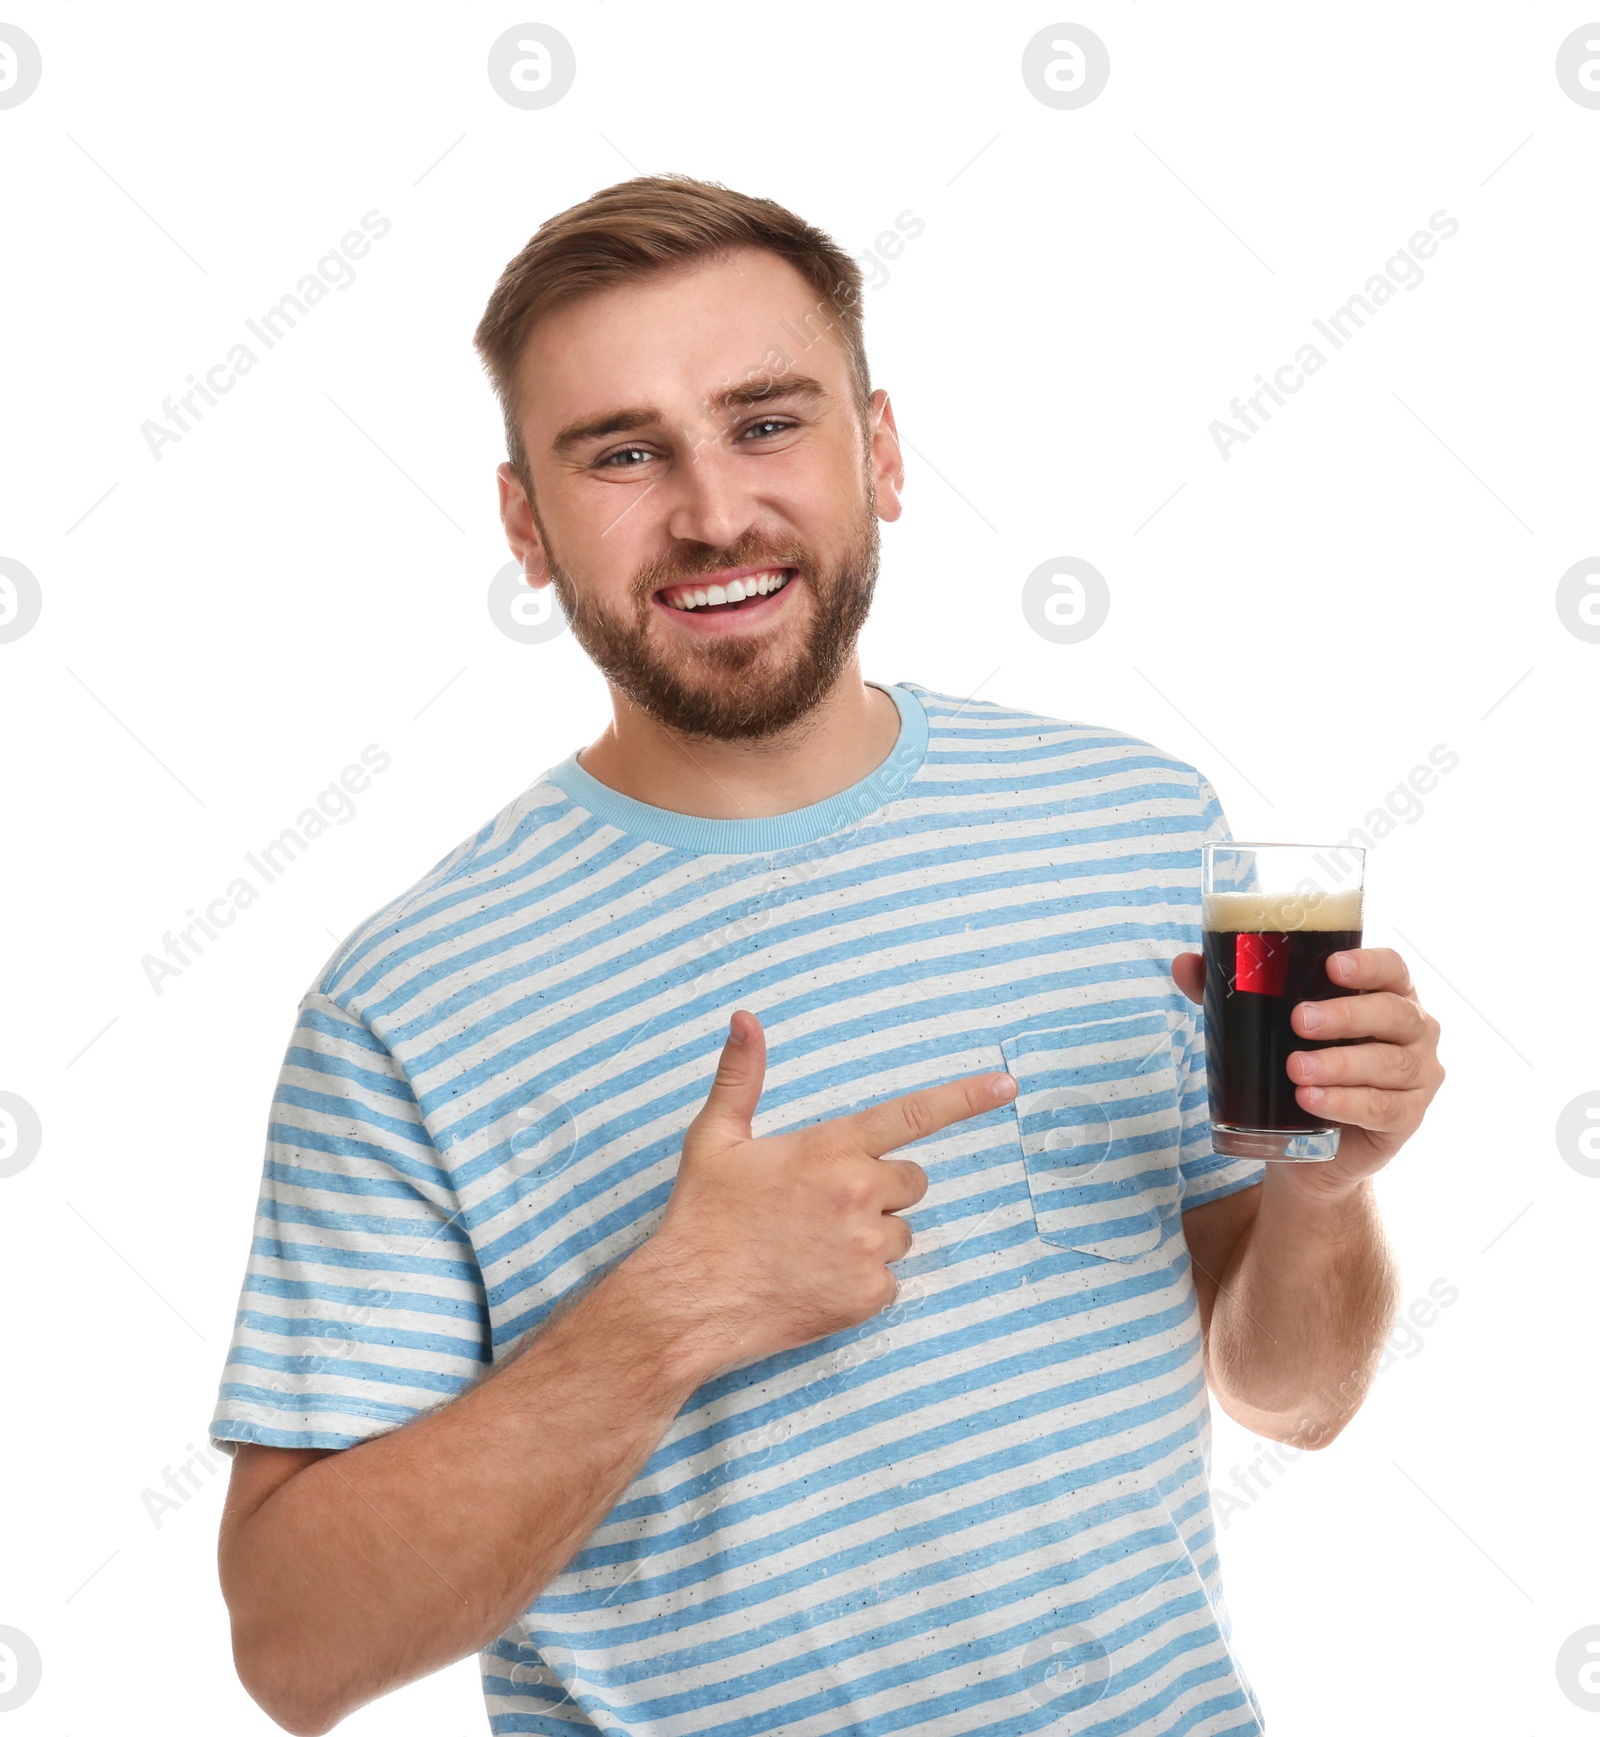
{"x": 522, "y": 531}
{"x": 885, "y": 460}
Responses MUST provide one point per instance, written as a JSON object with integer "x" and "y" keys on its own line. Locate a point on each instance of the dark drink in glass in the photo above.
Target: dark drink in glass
{"x": 1269, "y": 924}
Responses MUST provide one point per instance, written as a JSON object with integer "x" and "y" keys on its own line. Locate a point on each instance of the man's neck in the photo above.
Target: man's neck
{"x": 849, "y": 734}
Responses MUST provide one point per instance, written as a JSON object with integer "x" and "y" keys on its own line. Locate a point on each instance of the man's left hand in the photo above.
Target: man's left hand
{"x": 1375, "y": 1091}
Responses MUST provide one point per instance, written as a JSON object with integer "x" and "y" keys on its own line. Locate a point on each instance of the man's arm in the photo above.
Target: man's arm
{"x": 1296, "y": 1283}
{"x": 1296, "y": 1298}
{"x": 349, "y": 1573}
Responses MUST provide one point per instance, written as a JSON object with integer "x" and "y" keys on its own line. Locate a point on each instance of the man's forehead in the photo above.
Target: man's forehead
{"x": 679, "y": 337}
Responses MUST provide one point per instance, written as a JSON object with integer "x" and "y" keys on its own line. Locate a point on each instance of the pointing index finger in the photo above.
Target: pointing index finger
{"x": 898, "y": 1121}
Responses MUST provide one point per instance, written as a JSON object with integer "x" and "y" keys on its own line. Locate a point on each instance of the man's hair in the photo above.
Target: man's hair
{"x": 627, "y": 232}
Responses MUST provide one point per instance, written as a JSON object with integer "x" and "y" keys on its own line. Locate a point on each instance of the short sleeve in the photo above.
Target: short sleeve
{"x": 362, "y": 1303}
{"x": 1214, "y": 828}
{"x": 1206, "y": 1175}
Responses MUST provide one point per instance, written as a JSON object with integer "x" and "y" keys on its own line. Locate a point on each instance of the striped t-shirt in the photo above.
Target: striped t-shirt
{"x": 986, "y": 1509}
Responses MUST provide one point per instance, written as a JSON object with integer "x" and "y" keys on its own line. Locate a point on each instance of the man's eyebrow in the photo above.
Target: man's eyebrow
{"x": 763, "y": 391}
{"x": 598, "y": 427}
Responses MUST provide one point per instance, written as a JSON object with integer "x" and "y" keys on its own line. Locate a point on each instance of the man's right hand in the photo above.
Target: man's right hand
{"x": 768, "y": 1244}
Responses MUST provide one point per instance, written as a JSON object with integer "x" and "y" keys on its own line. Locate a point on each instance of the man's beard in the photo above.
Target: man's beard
{"x": 734, "y": 687}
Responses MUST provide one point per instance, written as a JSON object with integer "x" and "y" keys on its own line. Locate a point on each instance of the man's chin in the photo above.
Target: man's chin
{"x": 735, "y": 686}
{"x": 761, "y": 699}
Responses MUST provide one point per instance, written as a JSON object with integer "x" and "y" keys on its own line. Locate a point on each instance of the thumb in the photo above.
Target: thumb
{"x": 1189, "y": 973}
{"x": 741, "y": 1069}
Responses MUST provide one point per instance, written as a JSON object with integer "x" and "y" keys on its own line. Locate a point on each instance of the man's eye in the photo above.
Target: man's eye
{"x": 626, "y": 457}
{"x": 768, "y": 426}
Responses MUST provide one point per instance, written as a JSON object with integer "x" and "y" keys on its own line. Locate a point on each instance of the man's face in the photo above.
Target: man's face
{"x": 699, "y": 429}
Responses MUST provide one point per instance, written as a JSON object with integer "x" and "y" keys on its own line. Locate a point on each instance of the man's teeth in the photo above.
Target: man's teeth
{"x": 758, "y": 585}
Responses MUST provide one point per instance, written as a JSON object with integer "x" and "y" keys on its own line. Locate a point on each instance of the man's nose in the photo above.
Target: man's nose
{"x": 711, "y": 499}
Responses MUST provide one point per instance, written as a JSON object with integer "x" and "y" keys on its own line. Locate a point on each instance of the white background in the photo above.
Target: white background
{"x": 305, "y": 573}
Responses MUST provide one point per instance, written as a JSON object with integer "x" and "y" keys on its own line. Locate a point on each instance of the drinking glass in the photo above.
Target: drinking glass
{"x": 1271, "y": 915}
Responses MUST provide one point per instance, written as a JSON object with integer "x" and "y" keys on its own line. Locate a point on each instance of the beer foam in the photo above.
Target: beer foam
{"x": 1280, "y": 913}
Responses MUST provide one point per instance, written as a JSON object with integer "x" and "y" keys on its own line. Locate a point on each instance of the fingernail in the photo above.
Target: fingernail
{"x": 735, "y": 1036}
{"x": 1344, "y": 965}
{"x": 1314, "y": 1094}
{"x": 1310, "y": 1016}
{"x": 1005, "y": 1089}
{"x": 1308, "y": 1063}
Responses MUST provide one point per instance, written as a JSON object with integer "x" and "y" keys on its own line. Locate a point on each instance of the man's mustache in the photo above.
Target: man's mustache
{"x": 696, "y": 560}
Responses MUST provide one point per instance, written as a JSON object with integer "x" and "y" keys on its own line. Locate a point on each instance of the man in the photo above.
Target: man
{"x": 572, "y": 1332}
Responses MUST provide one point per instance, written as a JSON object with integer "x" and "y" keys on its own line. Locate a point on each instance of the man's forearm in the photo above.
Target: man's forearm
{"x": 1302, "y": 1310}
{"x": 383, "y": 1562}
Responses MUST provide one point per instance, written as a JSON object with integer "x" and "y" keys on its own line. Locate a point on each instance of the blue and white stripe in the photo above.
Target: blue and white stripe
{"x": 986, "y": 1509}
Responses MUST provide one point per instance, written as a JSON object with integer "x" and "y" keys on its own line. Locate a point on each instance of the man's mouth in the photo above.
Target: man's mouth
{"x": 727, "y": 592}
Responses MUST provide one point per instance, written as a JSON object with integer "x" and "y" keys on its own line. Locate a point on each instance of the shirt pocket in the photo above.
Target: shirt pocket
{"x": 1098, "y": 1115}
